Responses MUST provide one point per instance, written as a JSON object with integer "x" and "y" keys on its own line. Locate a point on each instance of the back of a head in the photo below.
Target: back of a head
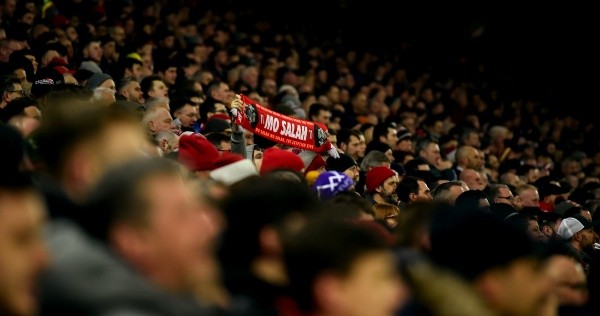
{"x": 13, "y": 147}
{"x": 67, "y": 125}
{"x": 118, "y": 196}
{"x": 348, "y": 205}
{"x": 458, "y": 243}
{"x": 326, "y": 246}
{"x": 470, "y": 201}
{"x": 256, "y": 203}
{"x": 372, "y": 159}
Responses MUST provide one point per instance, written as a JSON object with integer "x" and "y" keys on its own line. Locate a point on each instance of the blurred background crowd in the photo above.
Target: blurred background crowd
{"x": 466, "y": 179}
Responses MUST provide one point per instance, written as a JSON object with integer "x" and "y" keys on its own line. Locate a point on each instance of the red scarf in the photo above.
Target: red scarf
{"x": 283, "y": 129}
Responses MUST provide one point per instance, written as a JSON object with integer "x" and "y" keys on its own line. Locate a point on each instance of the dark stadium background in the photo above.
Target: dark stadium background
{"x": 549, "y": 50}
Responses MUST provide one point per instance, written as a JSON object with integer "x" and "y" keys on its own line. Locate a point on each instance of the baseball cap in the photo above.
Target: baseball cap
{"x": 572, "y": 225}
{"x": 46, "y": 79}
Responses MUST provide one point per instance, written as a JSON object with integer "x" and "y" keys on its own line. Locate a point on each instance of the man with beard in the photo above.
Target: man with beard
{"x": 579, "y": 233}
{"x": 381, "y": 183}
{"x": 412, "y": 189}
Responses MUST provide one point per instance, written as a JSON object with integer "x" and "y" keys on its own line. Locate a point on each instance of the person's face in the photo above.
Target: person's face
{"x": 473, "y": 179}
{"x": 148, "y": 63}
{"x": 187, "y": 115}
{"x": 223, "y": 93}
{"x": 424, "y": 193}
{"x": 473, "y": 159}
{"x": 119, "y": 34}
{"x": 23, "y": 254}
{"x": 352, "y": 148}
{"x": 405, "y": 145}
{"x": 333, "y": 140}
{"x": 109, "y": 84}
{"x": 159, "y": 89}
{"x": 72, "y": 34}
{"x": 362, "y": 146}
{"x": 136, "y": 71}
{"x": 570, "y": 282}
{"x": 372, "y": 287}
{"x": 323, "y": 117}
{"x": 257, "y": 157}
{"x": 163, "y": 121}
{"x": 431, "y": 154}
{"x": 225, "y": 146}
{"x": 353, "y": 172}
{"x": 109, "y": 50}
{"x": 473, "y": 140}
{"x": 177, "y": 236}
{"x": 220, "y": 108}
{"x": 170, "y": 75}
{"x": 33, "y": 62}
{"x": 455, "y": 191}
{"x": 521, "y": 288}
{"x": 532, "y": 175}
{"x": 586, "y": 238}
{"x": 134, "y": 92}
{"x": 387, "y": 189}
{"x": 504, "y": 196}
{"x": 20, "y": 74}
{"x": 529, "y": 198}
{"x": 15, "y": 93}
{"x": 249, "y": 137}
{"x": 269, "y": 87}
{"x": 391, "y": 137}
{"x": 94, "y": 51}
{"x": 33, "y": 112}
{"x": 512, "y": 179}
{"x": 533, "y": 229}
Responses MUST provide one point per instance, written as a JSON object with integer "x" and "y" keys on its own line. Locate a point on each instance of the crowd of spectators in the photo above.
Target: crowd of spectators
{"x": 128, "y": 186}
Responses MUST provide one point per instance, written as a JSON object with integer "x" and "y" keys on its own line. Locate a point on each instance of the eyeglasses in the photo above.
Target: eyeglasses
{"x": 510, "y": 198}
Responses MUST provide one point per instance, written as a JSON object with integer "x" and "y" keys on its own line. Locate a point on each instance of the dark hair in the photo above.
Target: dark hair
{"x": 8, "y": 83}
{"x": 146, "y": 84}
{"x": 124, "y": 82}
{"x": 322, "y": 246}
{"x": 468, "y": 201}
{"x": 347, "y": 205}
{"x": 17, "y": 107}
{"x": 13, "y": 152}
{"x": 453, "y": 243}
{"x": 65, "y": 125}
{"x": 315, "y": 108}
{"x": 273, "y": 200}
{"x": 118, "y": 197}
{"x": 408, "y": 185}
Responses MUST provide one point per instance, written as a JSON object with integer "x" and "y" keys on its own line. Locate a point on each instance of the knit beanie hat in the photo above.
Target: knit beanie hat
{"x": 96, "y": 80}
{"x": 330, "y": 183}
{"x": 404, "y": 134}
{"x": 340, "y": 164}
{"x": 197, "y": 153}
{"x": 377, "y": 176}
{"x": 276, "y": 158}
{"x": 312, "y": 160}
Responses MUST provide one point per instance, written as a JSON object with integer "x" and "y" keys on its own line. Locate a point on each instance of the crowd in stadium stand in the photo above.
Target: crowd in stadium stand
{"x": 191, "y": 158}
